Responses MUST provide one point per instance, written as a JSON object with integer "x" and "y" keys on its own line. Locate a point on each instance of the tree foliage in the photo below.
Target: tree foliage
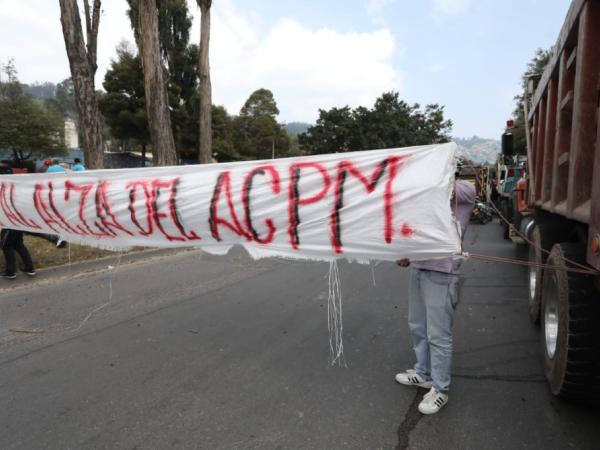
{"x": 174, "y": 23}
{"x": 123, "y": 105}
{"x": 257, "y": 135}
{"x": 535, "y": 69}
{"x": 28, "y": 127}
{"x": 223, "y": 148}
{"x": 40, "y": 90}
{"x": 260, "y": 103}
{"x": 65, "y": 98}
{"x": 183, "y": 101}
{"x": 61, "y": 96}
{"x": 390, "y": 123}
{"x": 180, "y": 61}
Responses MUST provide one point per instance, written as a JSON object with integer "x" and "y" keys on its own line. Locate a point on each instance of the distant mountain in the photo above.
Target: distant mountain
{"x": 297, "y": 127}
{"x": 478, "y": 149}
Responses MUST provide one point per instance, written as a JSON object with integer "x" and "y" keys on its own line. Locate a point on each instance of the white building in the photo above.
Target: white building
{"x": 71, "y": 137}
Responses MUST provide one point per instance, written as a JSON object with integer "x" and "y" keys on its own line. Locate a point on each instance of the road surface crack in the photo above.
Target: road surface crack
{"x": 411, "y": 419}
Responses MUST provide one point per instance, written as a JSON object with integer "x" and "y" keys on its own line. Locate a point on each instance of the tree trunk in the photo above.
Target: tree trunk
{"x": 143, "y": 154}
{"x": 157, "y": 106}
{"x": 205, "y": 137}
{"x": 83, "y": 70}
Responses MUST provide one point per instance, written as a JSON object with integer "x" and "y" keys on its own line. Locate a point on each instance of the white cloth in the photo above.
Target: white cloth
{"x": 369, "y": 205}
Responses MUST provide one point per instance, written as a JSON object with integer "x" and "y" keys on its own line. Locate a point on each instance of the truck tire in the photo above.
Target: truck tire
{"x": 570, "y": 332}
{"x": 543, "y": 236}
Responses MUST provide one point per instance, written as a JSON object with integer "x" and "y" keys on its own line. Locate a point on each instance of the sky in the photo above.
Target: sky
{"x": 467, "y": 55}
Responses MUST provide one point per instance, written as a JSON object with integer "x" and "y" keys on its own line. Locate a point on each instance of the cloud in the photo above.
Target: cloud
{"x": 376, "y": 10}
{"x": 27, "y": 34}
{"x": 306, "y": 68}
{"x": 25, "y": 10}
{"x": 32, "y": 33}
{"x": 436, "y": 68}
{"x": 442, "y": 9}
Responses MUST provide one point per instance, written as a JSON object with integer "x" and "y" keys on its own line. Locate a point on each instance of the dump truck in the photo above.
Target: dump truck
{"x": 560, "y": 204}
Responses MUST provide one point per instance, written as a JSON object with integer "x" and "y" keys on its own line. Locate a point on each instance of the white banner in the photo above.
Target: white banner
{"x": 370, "y": 205}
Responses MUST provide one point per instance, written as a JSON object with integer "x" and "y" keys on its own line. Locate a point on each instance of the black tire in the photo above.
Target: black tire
{"x": 570, "y": 332}
{"x": 543, "y": 236}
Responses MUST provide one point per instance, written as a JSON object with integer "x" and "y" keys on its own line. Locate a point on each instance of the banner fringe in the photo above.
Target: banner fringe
{"x": 334, "y": 317}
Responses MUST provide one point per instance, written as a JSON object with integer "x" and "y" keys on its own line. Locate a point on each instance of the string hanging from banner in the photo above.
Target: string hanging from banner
{"x": 335, "y": 323}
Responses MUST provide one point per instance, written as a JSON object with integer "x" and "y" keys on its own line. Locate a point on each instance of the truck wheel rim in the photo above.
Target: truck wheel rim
{"x": 551, "y": 319}
{"x": 532, "y": 282}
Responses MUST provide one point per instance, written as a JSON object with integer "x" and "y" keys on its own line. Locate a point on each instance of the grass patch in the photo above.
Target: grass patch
{"x": 45, "y": 253}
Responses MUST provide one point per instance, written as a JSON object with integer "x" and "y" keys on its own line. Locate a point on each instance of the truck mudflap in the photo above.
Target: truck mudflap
{"x": 521, "y": 191}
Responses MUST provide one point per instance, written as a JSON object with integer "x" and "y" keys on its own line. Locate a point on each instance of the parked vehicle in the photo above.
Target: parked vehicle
{"x": 560, "y": 197}
{"x": 510, "y": 169}
{"x": 482, "y": 213}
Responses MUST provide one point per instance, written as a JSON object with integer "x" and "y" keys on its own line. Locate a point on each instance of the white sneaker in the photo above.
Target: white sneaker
{"x": 432, "y": 402}
{"x": 411, "y": 378}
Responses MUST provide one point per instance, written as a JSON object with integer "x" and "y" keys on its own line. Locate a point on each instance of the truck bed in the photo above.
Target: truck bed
{"x": 563, "y": 122}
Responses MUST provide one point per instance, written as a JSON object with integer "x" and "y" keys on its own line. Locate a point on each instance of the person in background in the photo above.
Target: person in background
{"x": 494, "y": 195}
{"x": 11, "y": 241}
{"x": 14, "y": 241}
{"x": 44, "y": 167}
{"x": 433, "y": 297}
{"x": 5, "y": 168}
{"x": 56, "y": 167}
{"x": 78, "y": 166}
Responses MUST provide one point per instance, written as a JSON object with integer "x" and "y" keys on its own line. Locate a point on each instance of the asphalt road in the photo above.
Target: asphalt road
{"x": 196, "y": 351}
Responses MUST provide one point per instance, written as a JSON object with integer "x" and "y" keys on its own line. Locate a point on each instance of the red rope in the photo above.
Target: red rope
{"x": 530, "y": 263}
{"x": 581, "y": 268}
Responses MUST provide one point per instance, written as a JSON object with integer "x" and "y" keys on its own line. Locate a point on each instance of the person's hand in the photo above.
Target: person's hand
{"x": 403, "y": 262}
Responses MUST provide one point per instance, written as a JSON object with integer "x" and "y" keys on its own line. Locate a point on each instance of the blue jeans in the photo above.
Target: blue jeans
{"x": 432, "y": 300}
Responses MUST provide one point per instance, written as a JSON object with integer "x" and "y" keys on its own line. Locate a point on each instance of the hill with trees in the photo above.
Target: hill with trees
{"x": 296, "y": 128}
{"x": 29, "y": 127}
{"x": 478, "y": 150}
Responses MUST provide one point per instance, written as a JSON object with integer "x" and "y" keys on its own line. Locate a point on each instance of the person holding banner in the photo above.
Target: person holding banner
{"x": 11, "y": 241}
{"x": 433, "y": 297}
